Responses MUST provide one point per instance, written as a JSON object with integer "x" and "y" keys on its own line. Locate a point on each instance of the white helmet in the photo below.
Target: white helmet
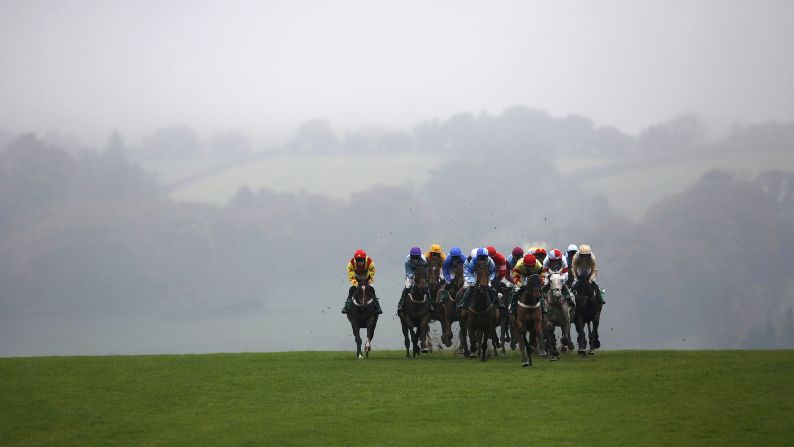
{"x": 585, "y": 250}
{"x": 573, "y": 247}
{"x": 473, "y": 252}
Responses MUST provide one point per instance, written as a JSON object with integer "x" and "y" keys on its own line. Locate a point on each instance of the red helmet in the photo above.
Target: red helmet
{"x": 518, "y": 252}
{"x": 555, "y": 254}
{"x": 540, "y": 251}
{"x": 491, "y": 251}
{"x": 529, "y": 259}
{"x": 360, "y": 254}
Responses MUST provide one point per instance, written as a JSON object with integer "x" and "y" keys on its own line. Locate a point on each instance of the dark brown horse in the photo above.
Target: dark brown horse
{"x": 528, "y": 318}
{"x": 479, "y": 314}
{"x": 363, "y": 314}
{"x": 588, "y": 313}
{"x": 437, "y": 312}
{"x": 450, "y": 304}
{"x": 416, "y": 313}
{"x": 502, "y": 316}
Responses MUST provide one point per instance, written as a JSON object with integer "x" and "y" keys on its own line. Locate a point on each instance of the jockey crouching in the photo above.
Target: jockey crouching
{"x": 572, "y": 250}
{"x": 360, "y": 268}
{"x": 479, "y": 257}
{"x": 501, "y": 284}
{"x": 555, "y": 262}
{"x": 586, "y": 269}
{"x": 414, "y": 260}
{"x": 452, "y": 261}
{"x": 436, "y": 256}
{"x": 525, "y": 268}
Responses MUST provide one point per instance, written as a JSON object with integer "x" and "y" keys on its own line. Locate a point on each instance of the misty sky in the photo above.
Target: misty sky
{"x": 88, "y": 67}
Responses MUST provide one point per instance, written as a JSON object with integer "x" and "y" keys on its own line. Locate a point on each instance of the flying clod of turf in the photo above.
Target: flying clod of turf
{"x": 330, "y": 398}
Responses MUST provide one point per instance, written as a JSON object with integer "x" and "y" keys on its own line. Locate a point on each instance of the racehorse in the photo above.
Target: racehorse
{"x": 416, "y": 312}
{"x": 437, "y": 312}
{"x": 479, "y": 315}
{"x": 503, "y": 317}
{"x": 528, "y": 318}
{"x": 363, "y": 314}
{"x": 588, "y": 312}
{"x": 449, "y": 302}
{"x": 558, "y": 314}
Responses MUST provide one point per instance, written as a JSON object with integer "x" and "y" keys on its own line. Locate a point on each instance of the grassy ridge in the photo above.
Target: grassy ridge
{"x": 622, "y": 397}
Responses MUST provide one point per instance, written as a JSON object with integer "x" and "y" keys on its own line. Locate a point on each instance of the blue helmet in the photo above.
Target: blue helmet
{"x": 416, "y": 251}
{"x": 482, "y": 252}
{"x": 455, "y": 252}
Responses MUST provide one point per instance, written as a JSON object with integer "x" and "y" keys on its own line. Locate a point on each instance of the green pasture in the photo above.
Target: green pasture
{"x": 330, "y": 398}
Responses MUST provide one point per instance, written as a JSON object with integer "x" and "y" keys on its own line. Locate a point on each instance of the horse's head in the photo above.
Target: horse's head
{"x": 363, "y": 295}
{"x": 435, "y": 269}
{"x": 457, "y": 269}
{"x": 584, "y": 292}
{"x": 420, "y": 276}
{"x": 555, "y": 288}
{"x": 481, "y": 269}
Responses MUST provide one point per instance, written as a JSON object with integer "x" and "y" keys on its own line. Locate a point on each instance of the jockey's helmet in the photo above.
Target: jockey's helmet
{"x": 416, "y": 252}
{"x": 529, "y": 260}
{"x": 482, "y": 253}
{"x": 360, "y": 255}
{"x": 491, "y": 250}
{"x": 518, "y": 252}
{"x": 539, "y": 251}
{"x": 585, "y": 250}
{"x": 554, "y": 254}
{"x": 573, "y": 247}
{"x": 474, "y": 252}
{"x": 455, "y": 252}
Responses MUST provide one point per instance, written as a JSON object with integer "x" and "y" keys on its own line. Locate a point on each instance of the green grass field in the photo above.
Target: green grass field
{"x": 322, "y": 398}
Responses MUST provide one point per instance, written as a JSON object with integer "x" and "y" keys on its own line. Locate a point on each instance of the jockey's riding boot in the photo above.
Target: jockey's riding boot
{"x": 378, "y": 309}
{"x": 598, "y": 293}
{"x": 464, "y": 301}
{"x": 401, "y": 303}
{"x": 347, "y": 305}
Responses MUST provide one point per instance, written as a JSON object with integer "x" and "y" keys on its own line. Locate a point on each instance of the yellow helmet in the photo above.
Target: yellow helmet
{"x": 585, "y": 250}
{"x": 436, "y": 248}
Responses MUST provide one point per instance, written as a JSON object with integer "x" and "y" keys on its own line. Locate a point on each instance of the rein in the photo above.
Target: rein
{"x": 363, "y": 292}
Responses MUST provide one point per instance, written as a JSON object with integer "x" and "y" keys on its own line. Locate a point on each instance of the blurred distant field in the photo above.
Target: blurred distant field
{"x": 631, "y": 185}
{"x": 336, "y": 176}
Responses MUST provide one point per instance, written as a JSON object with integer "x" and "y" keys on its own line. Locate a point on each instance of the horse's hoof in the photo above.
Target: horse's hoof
{"x": 360, "y": 356}
{"x": 597, "y": 344}
{"x": 552, "y": 358}
{"x": 543, "y": 353}
{"x": 366, "y": 354}
{"x": 583, "y": 353}
{"x": 525, "y": 364}
{"x": 512, "y": 347}
{"x": 425, "y": 350}
{"x": 564, "y": 349}
{"x": 591, "y": 352}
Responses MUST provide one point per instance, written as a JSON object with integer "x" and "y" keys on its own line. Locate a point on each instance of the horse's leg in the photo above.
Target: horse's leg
{"x": 405, "y": 335}
{"x": 548, "y": 329}
{"x": 414, "y": 339}
{"x": 357, "y": 336}
{"x": 541, "y": 338}
{"x": 446, "y": 328}
{"x": 373, "y": 321}
{"x": 518, "y": 334}
{"x": 424, "y": 325}
{"x": 596, "y": 322}
{"x": 427, "y": 344}
{"x": 591, "y": 350}
{"x": 580, "y": 337}
{"x": 464, "y": 335}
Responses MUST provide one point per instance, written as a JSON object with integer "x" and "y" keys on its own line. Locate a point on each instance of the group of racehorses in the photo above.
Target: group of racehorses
{"x": 527, "y": 326}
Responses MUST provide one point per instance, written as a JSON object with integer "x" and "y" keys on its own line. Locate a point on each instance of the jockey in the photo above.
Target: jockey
{"x": 540, "y": 254}
{"x": 436, "y": 255}
{"x": 454, "y": 259}
{"x": 585, "y": 268}
{"x": 501, "y": 265}
{"x": 572, "y": 249}
{"x": 360, "y": 268}
{"x": 516, "y": 256}
{"x": 528, "y": 265}
{"x": 478, "y": 255}
{"x": 557, "y": 263}
{"x": 466, "y": 278}
{"x": 412, "y": 261}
